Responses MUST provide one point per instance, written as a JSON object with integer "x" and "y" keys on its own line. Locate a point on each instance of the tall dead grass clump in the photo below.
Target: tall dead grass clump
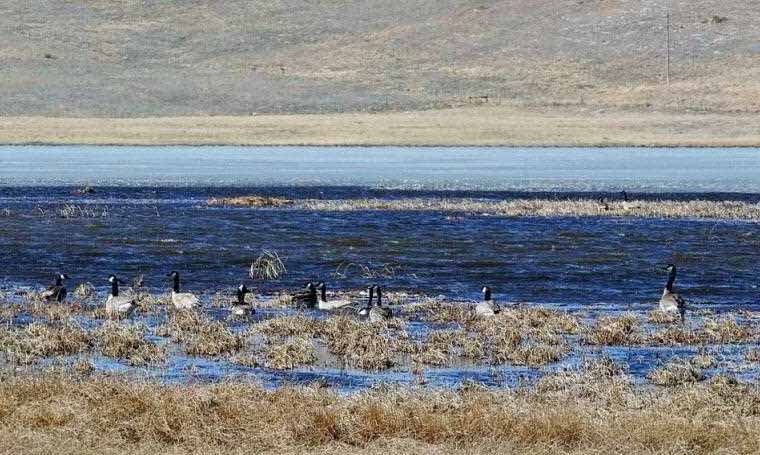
{"x": 128, "y": 342}
{"x": 200, "y": 335}
{"x": 37, "y": 340}
{"x": 621, "y": 330}
{"x": 358, "y": 344}
{"x": 268, "y": 266}
{"x": 290, "y": 354}
{"x": 676, "y": 372}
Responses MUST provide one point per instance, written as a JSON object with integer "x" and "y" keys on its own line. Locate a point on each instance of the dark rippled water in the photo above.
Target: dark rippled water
{"x": 589, "y": 265}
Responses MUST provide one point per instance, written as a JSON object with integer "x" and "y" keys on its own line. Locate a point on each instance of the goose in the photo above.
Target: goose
{"x": 239, "y": 307}
{"x": 378, "y": 312}
{"x": 487, "y": 308}
{"x": 118, "y": 305}
{"x": 628, "y": 205}
{"x": 56, "y": 292}
{"x": 308, "y": 297}
{"x": 603, "y": 205}
{"x": 322, "y": 302}
{"x": 364, "y": 311}
{"x": 671, "y": 302}
{"x": 181, "y": 300}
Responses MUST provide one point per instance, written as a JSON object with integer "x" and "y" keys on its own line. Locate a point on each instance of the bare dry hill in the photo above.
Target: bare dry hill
{"x": 105, "y": 58}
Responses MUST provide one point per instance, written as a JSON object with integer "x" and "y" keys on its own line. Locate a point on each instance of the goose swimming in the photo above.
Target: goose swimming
{"x": 181, "y": 300}
{"x": 322, "y": 302}
{"x": 672, "y": 302}
{"x": 56, "y": 292}
{"x": 308, "y": 297}
{"x": 118, "y": 305}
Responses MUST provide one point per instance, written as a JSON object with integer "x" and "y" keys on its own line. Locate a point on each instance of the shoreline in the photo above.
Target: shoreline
{"x": 484, "y": 126}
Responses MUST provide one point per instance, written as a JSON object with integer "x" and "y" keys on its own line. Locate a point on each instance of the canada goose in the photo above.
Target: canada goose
{"x": 322, "y": 302}
{"x": 628, "y": 205}
{"x": 118, "y": 305}
{"x": 240, "y": 308}
{"x": 487, "y": 308}
{"x": 378, "y": 312}
{"x": 671, "y": 302}
{"x": 364, "y": 311}
{"x": 181, "y": 300}
{"x": 603, "y": 205}
{"x": 56, "y": 292}
{"x": 308, "y": 297}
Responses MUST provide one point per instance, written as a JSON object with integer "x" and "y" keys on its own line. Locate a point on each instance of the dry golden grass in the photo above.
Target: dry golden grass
{"x": 200, "y": 335}
{"x": 676, "y": 372}
{"x": 614, "y": 331}
{"x": 23, "y": 345}
{"x": 290, "y": 354}
{"x": 733, "y": 210}
{"x": 484, "y": 125}
{"x": 250, "y": 201}
{"x": 128, "y": 342}
{"x": 593, "y": 410}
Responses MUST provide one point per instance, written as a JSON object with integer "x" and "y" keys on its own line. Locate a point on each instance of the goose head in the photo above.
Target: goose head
{"x": 379, "y": 294}
{"x": 486, "y": 293}
{"x": 370, "y": 292}
{"x": 175, "y": 279}
{"x": 242, "y": 290}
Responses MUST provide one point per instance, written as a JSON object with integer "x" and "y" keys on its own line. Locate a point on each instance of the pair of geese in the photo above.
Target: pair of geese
{"x": 316, "y": 296}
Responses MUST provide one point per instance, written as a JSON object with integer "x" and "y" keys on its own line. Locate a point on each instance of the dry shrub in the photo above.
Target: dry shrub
{"x": 614, "y": 331}
{"x": 128, "y": 343}
{"x": 250, "y": 201}
{"x": 290, "y": 354}
{"x": 674, "y": 373}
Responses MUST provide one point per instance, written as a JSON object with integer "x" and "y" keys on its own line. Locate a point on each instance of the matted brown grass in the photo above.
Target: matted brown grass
{"x": 593, "y": 410}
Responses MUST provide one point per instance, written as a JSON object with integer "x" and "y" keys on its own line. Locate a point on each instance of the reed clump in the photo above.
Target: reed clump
{"x": 250, "y": 201}
{"x": 676, "y": 372}
{"x": 268, "y": 266}
{"x": 621, "y": 330}
{"x": 359, "y": 344}
{"x": 292, "y": 353}
{"x": 37, "y": 340}
{"x": 200, "y": 335}
{"x": 662, "y": 317}
{"x": 128, "y": 342}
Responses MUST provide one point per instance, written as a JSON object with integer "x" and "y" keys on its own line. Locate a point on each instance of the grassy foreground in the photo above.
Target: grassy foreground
{"x": 485, "y": 125}
{"x": 595, "y": 409}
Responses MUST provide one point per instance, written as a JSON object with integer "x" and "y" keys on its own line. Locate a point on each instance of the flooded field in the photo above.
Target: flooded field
{"x": 573, "y": 288}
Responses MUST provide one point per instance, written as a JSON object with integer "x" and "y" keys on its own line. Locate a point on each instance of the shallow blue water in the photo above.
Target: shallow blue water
{"x": 154, "y": 219}
{"x": 520, "y": 169}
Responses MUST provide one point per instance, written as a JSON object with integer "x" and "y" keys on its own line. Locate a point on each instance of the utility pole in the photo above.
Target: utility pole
{"x": 667, "y": 43}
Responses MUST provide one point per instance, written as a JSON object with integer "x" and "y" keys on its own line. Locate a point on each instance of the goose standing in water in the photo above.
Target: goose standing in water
{"x": 240, "y": 307}
{"x": 181, "y": 300}
{"x": 379, "y": 312}
{"x": 322, "y": 302}
{"x": 307, "y": 297}
{"x": 56, "y": 292}
{"x": 671, "y": 302}
{"x": 118, "y": 305}
{"x": 487, "y": 308}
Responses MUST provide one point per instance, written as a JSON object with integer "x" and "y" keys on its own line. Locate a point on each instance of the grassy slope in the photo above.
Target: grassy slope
{"x": 568, "y": 59}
